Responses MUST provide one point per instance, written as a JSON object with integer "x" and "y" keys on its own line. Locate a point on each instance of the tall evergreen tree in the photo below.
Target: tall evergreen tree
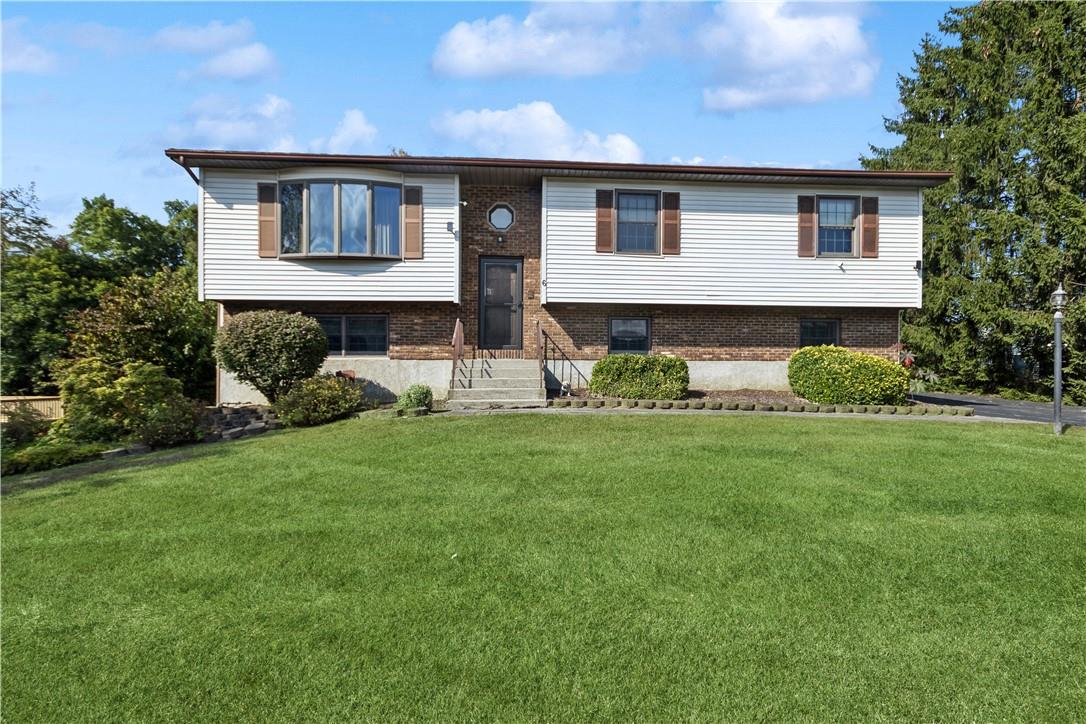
{"x": 1002, "y": 103}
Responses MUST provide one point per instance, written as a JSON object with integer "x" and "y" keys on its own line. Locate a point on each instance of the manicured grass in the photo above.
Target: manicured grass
{"x": 560, "y": 567}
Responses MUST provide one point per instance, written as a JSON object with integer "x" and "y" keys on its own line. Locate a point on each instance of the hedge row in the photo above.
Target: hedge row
{"x": 640, "y": 375}
{"x": 835, "y": 375}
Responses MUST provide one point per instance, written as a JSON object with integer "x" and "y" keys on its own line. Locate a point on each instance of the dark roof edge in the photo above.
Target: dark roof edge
{"x": 189, "y": 158}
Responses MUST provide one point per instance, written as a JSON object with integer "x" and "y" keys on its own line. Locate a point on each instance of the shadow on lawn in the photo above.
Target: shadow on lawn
{"x": 16, "y": 484}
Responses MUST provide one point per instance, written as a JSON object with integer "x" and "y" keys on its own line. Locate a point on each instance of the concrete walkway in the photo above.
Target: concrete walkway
{"x": 987, "y": 406}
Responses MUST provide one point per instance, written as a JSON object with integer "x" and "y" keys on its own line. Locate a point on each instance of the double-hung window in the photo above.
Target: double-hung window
{"x": 637, "y": 219}
{"x": 629, "y": 335}
{"x": 355, "y": 334}
{"x": 339, "y": 218}
{"x": 837, "y": 226}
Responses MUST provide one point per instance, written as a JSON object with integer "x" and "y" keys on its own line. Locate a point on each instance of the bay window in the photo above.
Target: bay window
{"x": 339, "y": 218}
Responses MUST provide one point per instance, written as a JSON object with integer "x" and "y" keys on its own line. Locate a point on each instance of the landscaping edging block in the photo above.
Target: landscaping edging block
{"x": 697, "y": 404}
{"x": 681, "y": 404}
{"x": 663, "y": 404}
{"x": 763, "y": 408}
{"x": 629, "y": 403}
{"x": 746, "y": 406}
{"x": 647, "y": 404}
{"x": 578, "y": 403}
{"x": 595, "y": 403}
{"x": 560, "y": 402}
{"x": 714, "y": 405}
{"x": 731, "y": 405}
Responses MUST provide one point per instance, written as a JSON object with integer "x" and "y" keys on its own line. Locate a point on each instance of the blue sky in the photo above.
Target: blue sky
{"x": 93, "y": 92}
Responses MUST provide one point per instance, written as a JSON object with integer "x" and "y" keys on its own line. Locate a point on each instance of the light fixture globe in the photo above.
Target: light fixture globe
{"x": 1059, "y": 298}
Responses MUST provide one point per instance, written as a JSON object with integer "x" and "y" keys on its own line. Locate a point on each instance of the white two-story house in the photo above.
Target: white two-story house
{"x": 732, "y": 269}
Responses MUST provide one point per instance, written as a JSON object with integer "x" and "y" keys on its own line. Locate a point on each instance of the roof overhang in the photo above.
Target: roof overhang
{"x": 527, "y": 172}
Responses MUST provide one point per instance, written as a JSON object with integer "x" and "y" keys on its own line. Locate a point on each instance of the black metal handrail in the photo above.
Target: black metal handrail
{"x": 551, "y": 355}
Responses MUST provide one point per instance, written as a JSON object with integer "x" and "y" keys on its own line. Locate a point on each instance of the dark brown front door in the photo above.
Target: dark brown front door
{"x": 500, "y": 303}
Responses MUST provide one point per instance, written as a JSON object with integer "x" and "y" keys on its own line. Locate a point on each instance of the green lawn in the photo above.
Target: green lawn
{"x": 560, "y": 567}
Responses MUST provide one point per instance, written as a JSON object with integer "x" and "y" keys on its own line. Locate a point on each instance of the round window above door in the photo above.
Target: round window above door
{"x": 500, "y": 217}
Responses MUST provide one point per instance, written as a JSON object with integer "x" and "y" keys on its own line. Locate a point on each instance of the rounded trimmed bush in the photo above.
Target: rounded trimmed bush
{"x": 271, "y": 350}
{"x": 415, "y": 396}
{"x": 640, "y": 376}
{"x": 835, "y": 375}
{"x": 318, "y": 400}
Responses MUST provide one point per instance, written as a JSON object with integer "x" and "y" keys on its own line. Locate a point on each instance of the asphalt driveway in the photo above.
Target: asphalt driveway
{"x": 987, "y": 406}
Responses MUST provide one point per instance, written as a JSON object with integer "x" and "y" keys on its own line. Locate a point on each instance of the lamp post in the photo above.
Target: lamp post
{"x": 1059, "y": 300}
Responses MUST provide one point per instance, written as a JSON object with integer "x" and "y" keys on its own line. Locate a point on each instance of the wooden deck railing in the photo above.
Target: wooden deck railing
{"x": 49, "y": 407}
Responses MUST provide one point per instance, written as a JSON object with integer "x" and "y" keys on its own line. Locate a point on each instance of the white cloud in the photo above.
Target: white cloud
{"x": 353, "y": 132}
{"x": 245, "y": 63}
{"x": 223, "y": 122}
{"x": 772, "y": 54}
{"x": 758, "y": 54}
{"x": 534, "y": 130}
{"x": 22, "y": 56}
{"x": 103, "y": 38}
{"x": 563, "y": 39}
{"x": 267, "y": 124}
{"x": 214, "y": 37}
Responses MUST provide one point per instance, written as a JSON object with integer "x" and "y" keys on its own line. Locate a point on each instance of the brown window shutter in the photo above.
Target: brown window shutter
{"x": 671, "y": 223}
{"x": 412, "y": 222}
{"x": 869, "y": 227}
{"x": 807, "y": 223}
{"x": 266, "y": 203}
{"x": 605, "y": 221}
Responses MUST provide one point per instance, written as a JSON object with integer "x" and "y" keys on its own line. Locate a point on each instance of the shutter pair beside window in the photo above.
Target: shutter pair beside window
{"x": 669, "y": 221}
{"x": 267, "y": 207}
{"x": 869, "y": 226}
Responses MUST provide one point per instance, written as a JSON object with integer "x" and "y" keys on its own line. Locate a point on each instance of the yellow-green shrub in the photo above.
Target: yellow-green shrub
{"x": 837, "y": 376}
{"x": 640, "y": 376}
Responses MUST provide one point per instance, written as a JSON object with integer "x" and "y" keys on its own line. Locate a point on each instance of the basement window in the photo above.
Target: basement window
{"x": 815, "y": 332}
{"x": 629, "y": 335}
{"x": 355, "y": 334}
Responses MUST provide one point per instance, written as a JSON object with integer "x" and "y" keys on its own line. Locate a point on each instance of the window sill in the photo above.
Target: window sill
{"x": 334, "y": 257}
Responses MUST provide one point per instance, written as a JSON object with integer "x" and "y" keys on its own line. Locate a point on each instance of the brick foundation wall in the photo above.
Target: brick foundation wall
{"x": 416, "y": 330}
{"x": 698, "y": 333}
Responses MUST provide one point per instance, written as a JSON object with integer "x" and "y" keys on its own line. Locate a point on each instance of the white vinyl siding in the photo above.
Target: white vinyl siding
{"x": 232, "y": 269}
{"x": 739, "y": 246}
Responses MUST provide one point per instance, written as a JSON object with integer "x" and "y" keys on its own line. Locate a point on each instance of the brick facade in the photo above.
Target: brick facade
{"x": 697, "y": 333}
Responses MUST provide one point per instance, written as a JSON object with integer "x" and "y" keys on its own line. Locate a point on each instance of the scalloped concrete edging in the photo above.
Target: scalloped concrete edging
{"x": 731, "y": 405}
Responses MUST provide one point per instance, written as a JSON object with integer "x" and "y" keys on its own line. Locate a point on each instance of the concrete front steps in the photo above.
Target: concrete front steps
{"x": 496, "y": 383}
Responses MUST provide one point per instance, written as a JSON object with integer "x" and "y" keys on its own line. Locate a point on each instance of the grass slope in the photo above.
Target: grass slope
{"x": 560, "y": 567}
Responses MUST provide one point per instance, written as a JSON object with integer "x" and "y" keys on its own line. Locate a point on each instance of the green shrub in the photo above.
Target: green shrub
{"x": 93, "y": 410}
{"x": 415, "y": 396}
{"x": 271, "y": 350}
{"x": 318, "y": 400}
{"x": 837, "y": 376}
{"x": 50, "y": 454}
{"x": 658, "y": 377}
{"x": 102, "y": 404}
{"x": 164, "y": 424}
{"x": 24, "y": 425}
